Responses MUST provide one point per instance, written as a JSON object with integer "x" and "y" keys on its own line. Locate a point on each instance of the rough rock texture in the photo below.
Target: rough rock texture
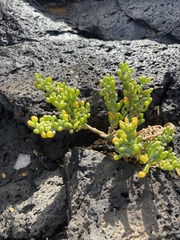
{"x": 128, "y": 19}
{"x": 43, "y": 194}
{"x": 37, "y": 207}
{"x": 108, "y": 201}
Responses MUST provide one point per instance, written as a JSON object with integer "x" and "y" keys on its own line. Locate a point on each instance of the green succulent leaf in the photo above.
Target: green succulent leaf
{"x": 125, "y": 114}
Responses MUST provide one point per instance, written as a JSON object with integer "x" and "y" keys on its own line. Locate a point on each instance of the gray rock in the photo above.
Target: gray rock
{"x": 33, "y": 209}
{"x": 104, "y": 198}
{"x": 107, "y": 201}
{"x": 25, "y": 26}
{"x": 128, "y": 19}
{"x": 148, "y": 58}
{"x": 162, "y": 16}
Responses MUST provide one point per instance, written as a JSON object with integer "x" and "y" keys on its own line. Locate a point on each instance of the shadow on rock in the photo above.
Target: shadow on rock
{"x": 33, "y": 210}
{"x": 108, "y": 201}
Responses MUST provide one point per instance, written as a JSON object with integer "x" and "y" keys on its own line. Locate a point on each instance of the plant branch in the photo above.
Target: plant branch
{"x": 100, "y": 133}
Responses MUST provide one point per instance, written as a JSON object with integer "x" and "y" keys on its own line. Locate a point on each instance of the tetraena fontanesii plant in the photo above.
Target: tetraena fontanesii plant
{"x": 149, "y": 148}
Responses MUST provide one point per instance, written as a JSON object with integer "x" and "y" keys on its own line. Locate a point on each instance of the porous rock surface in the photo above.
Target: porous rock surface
{"x": 108, "y": 201}
{"x": 128, "y": 19}
{"x": 85, "y": 195}
{"x": 33, "y": 209}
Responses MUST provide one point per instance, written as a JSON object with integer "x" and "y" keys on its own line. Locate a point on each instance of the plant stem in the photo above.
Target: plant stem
{"x": 100, "y": 133}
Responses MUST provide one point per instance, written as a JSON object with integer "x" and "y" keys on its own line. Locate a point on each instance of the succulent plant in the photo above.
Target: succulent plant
{"x": 124, "y": 115}
{"x": 72, "y": 113}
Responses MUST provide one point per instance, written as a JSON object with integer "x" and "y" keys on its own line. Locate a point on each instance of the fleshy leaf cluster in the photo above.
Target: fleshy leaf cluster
{"x": 72, "y": 114}
{"x": 124, "y": 114}
{"x": 136, "y": 98}
{"x": 157, "y": 153}
{"x": 111, "y": 100}
{"x": 127, "y": 142}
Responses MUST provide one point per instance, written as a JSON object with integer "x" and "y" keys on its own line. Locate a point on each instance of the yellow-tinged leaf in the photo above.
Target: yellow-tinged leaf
{"x": 116, "y": 157}
{"x": 34, "y": 119}
{"x": 31, "y": 123}
{"x": 144, "y": 158}
{"x": 43, "y": 135}
{"x": 123, "y": 136}
{"x": 115, "y": 140}
{"x": 141, "y": 174}
{"x": 134, "y": 121}
{"x": 50, "y": 134}
{"x": 126, "y": 120}
{"x": 111, "y": 115}
{"x": 76, "y": 104}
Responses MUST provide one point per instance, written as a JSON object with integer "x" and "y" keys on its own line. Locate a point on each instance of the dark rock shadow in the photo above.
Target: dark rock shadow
{"x": 125, "y": 191}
